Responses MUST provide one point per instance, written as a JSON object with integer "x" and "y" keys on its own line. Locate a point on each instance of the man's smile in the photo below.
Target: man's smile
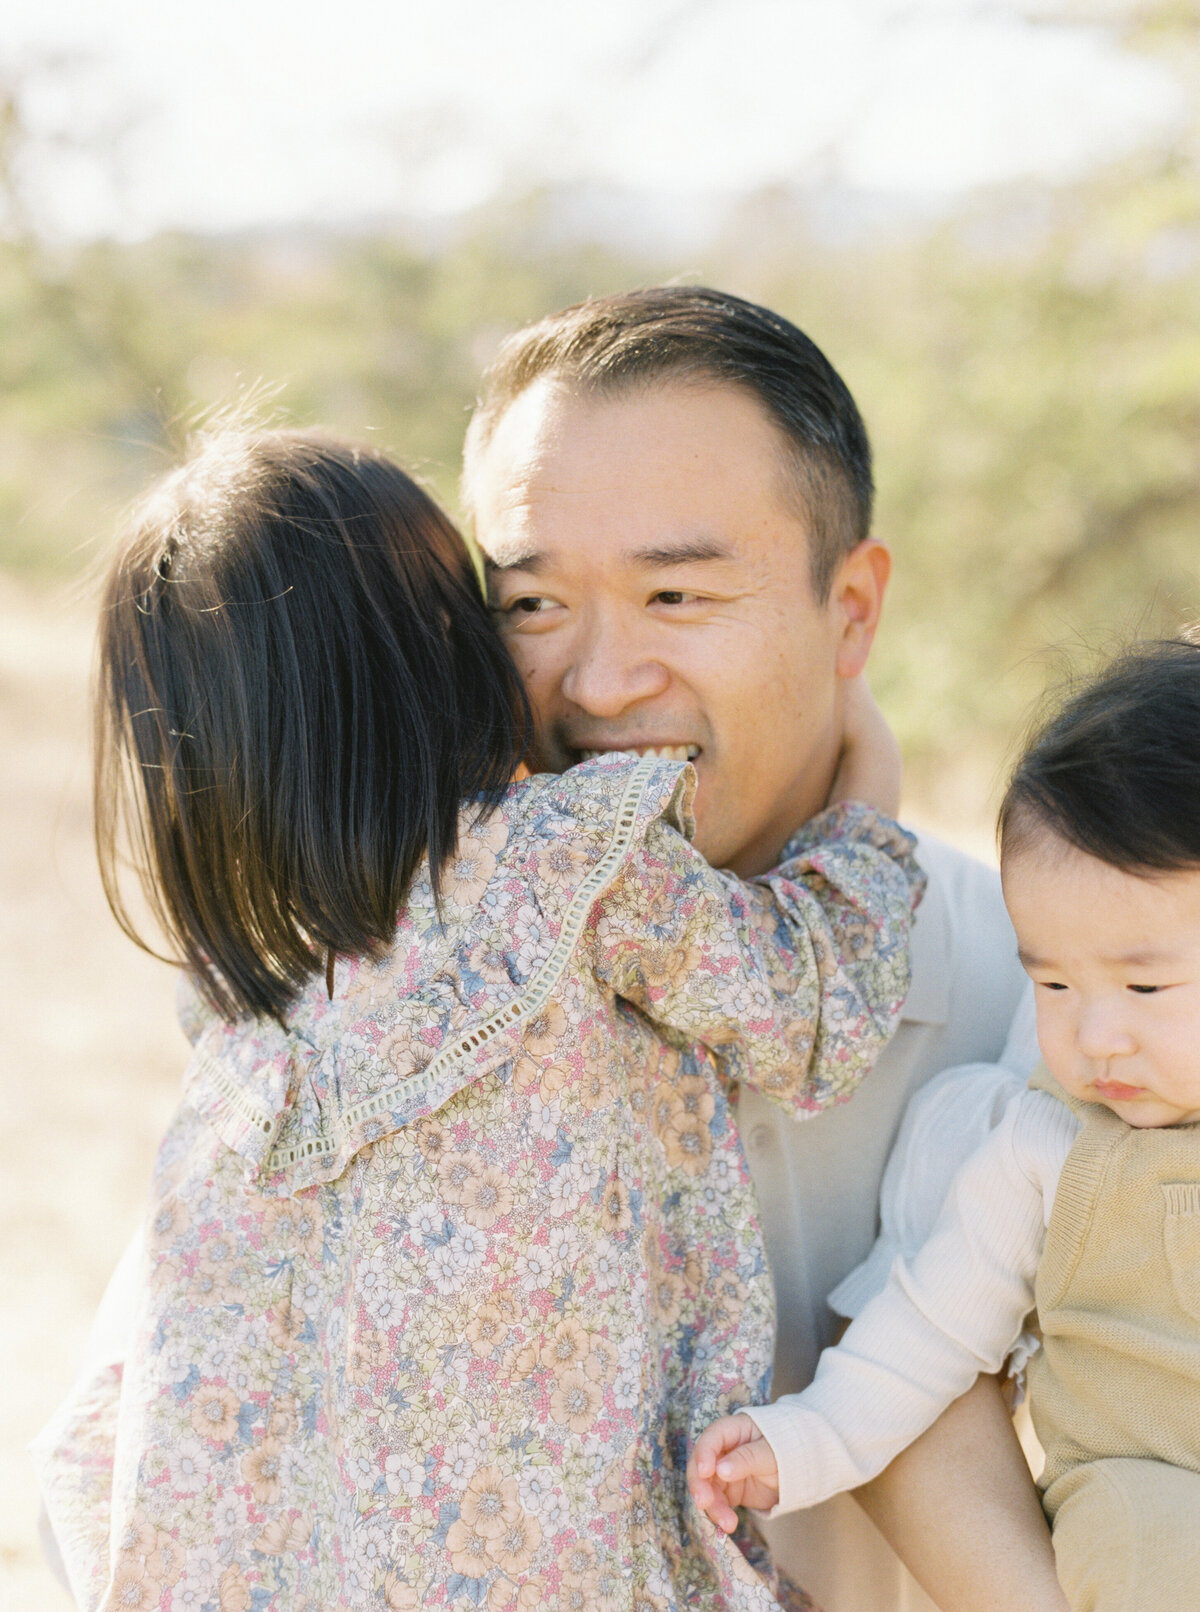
{"x": 664, "y": 752}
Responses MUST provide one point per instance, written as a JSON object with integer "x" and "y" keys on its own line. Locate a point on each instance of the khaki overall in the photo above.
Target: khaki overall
{"x": 1115, "y": 1391}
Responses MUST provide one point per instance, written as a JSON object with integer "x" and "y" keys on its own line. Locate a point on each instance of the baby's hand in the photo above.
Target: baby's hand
{"x": 732, "y": 1465}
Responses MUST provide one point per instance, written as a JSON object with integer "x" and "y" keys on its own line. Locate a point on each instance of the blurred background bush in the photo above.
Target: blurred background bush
{"x": 1028, "y": 361}
{"x": 1026, "y": 354}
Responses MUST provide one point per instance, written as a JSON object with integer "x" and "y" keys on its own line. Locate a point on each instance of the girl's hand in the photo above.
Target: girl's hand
{"x": 869, "y": 767}
{"x": 731, "y": 1465}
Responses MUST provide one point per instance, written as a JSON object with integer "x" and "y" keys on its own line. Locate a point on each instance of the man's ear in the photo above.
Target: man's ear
{"x": 856, "y": 597}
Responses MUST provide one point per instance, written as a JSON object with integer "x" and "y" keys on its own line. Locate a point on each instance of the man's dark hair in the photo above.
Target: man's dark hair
{"x": 298, "y": 687}
{"x": 689, "y": 333}
{"x": 1116, "y": 772}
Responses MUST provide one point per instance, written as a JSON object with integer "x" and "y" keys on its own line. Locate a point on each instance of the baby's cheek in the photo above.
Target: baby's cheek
{"x": 1056, "y": 1043}
{"x": 1177, "y": 1054}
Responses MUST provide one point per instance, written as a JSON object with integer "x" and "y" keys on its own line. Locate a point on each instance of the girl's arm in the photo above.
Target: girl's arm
{"x": 869, "y": 766}
{"x": 794, "y": 980}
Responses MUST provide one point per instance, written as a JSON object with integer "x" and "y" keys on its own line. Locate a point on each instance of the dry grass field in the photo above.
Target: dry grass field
{"x": 91, "y": 1057}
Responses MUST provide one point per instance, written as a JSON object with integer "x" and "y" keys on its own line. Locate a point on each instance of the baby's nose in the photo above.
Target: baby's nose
{"x": 1103, "y": 1032}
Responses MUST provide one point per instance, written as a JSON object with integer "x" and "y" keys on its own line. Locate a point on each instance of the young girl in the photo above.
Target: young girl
{"x": 452, "y": 1247}
{"x": 1086, "y": 1198}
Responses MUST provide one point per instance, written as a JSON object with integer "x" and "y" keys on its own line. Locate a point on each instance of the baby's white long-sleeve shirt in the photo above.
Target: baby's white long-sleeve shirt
{"x": 953, "y": 1310}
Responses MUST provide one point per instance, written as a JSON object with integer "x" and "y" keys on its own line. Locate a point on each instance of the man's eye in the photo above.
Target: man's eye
{"x": 672, "y": 596}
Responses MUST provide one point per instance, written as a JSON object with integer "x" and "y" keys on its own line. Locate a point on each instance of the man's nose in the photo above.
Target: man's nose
{"x": 612, "y": 667}
{"x": 1102, "y": 1031}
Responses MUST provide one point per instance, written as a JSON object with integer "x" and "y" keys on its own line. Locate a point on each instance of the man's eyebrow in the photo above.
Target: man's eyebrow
{"x": 535, "y": 562}
{"x": 688, "y": 551}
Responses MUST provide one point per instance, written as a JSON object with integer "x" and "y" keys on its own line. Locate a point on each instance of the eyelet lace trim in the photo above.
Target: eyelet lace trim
{"x": 328, "y": 1140}
{"x": 233, "y": 1094}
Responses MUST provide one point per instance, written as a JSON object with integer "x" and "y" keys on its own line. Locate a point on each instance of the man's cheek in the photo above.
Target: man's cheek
{"x": 533, "y": 672}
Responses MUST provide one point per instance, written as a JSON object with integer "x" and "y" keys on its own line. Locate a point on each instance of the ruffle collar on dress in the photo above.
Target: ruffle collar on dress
{"x": 297, "y": 1106}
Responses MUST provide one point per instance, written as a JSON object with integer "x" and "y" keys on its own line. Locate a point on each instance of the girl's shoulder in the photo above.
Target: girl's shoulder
{"x": 447, "y": 1003}
{"x": 605, "y": 804}
{"x": 540, "y": 844}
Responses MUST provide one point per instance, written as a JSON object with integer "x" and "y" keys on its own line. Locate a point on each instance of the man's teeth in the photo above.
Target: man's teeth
{"x": 665, "y": 752}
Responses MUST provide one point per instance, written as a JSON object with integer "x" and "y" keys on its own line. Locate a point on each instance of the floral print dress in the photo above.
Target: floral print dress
{"x": 443, "y": 1278}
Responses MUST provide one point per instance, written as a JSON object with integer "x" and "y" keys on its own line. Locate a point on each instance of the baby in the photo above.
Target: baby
{"x": 1084, "y": 1201}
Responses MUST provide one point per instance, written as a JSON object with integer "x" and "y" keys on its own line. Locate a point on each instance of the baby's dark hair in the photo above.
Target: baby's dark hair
{"x": 1116, "y": 771}
{"x": 299, "y": 685}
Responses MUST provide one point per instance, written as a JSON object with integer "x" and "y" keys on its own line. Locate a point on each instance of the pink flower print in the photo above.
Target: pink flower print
{"x": 491, "y": 1502}
{"x": 486, "y": 1197}
{"x": 514, "y": 1548}
{"x": 544, "y": 1030}
{"x": 576, "y": 1402}
{"x": 455, "y": 1173}
{"x": 260, "y": 1468}
{"x": 566, "y": 1348}
{"x": 133, "y": 1587}
{"x": 284, "y": 1534}
{"x": 234, "y": 1591}
{"x": 214, "y": 1412}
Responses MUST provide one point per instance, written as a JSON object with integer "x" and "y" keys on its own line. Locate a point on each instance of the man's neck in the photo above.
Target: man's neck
{"x": 762, "y": 853}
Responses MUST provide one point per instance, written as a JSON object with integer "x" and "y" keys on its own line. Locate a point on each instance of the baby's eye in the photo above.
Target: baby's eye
{"x": 1145, "y": 990}
{"x": 1051, "y": 985}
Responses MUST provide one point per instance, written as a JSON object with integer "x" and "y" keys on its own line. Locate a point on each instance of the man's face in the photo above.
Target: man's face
{"x": 652, "y": 583}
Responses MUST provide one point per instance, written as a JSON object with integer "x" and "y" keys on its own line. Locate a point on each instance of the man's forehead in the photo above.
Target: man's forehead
{"x": 554, "y": 438}
{"x": 667, "y": 476}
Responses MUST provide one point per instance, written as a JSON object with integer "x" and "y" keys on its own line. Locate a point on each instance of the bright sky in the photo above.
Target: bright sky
{"x": 259, "y": 111}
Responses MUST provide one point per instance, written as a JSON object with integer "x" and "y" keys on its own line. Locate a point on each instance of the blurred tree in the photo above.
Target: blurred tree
{"x": 1029, "y": 367}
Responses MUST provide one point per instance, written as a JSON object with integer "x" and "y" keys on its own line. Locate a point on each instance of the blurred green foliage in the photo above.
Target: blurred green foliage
{"x": 1029, "y": 369}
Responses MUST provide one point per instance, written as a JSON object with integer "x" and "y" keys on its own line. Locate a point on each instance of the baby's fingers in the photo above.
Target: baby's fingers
{"x": 724, "y": 1434}
{"x": 721, "y": 1512}
{"x": 749, "y": 1463}
{"x": 720, "y": 1479}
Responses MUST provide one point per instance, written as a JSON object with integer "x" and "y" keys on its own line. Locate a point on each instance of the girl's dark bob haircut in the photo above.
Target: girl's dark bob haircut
{"x": 1116, "y": 771}
{"x": 299, "y": 686}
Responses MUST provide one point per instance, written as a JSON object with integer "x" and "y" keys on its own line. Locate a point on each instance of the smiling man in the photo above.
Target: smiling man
{"x": 672, "y": 490}
{"x": 644, "y": 565}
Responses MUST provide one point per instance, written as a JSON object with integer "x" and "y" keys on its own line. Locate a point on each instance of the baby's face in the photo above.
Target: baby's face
{"x": 1115, "y": 961}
